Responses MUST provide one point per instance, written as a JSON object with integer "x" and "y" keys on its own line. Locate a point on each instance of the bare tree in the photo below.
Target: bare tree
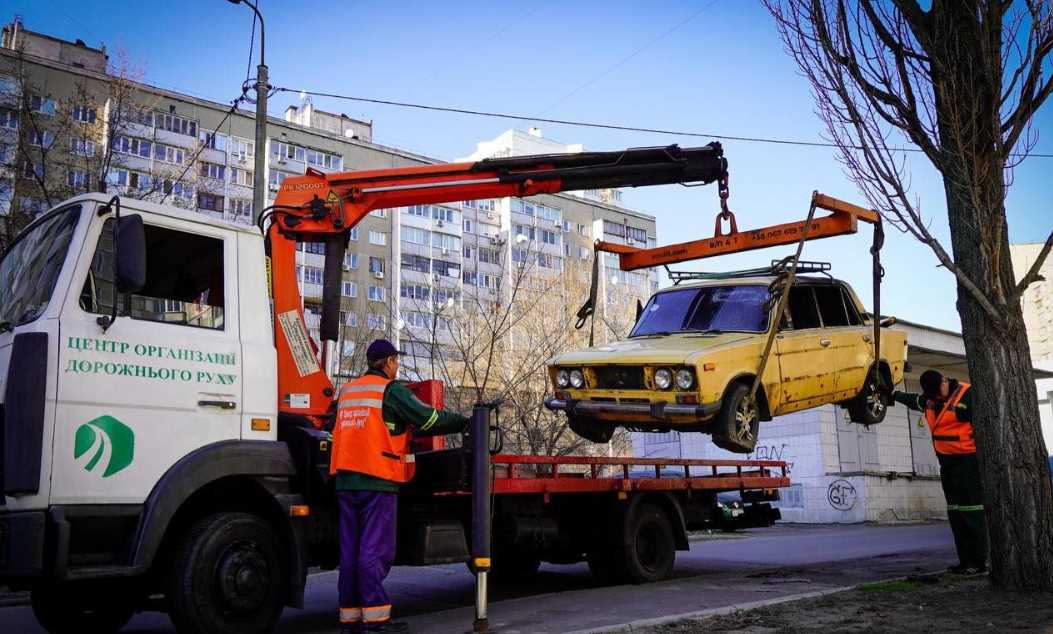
{"x": 961, "y": 81}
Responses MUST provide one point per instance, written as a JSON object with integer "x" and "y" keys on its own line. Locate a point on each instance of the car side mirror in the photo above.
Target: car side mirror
{"x": 130, "y": 253}
{"x": 639, "y": 310}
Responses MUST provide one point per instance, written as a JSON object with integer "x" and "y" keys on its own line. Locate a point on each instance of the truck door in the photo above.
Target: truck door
{"x": 807, "y": 358}
{"x": 164, "y": 379}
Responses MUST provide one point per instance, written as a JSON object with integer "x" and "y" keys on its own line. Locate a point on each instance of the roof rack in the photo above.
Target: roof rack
{"x": 777, "y": 267}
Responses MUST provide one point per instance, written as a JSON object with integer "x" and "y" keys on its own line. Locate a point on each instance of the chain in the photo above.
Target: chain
{"x": 723, "y": 191}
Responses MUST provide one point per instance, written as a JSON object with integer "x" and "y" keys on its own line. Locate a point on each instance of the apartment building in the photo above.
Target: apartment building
{"x": 68, "y": 121}
{"x": 1037, "y": 304}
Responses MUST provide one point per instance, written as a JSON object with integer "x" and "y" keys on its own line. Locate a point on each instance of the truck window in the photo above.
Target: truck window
{"x": 831, "y": 306}
{"x": 31, "y": 267}
{"x": 184, "y": 279}
{"x": 803, "y": 313}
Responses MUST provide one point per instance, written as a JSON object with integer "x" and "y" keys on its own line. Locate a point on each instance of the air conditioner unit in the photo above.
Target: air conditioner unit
{"x": 347, "y": 267}
{"x": 495, "y": 240}
{"x": 445, "y": 251}
{"x": 440, "y": 223}
{"x": 378, "y": 274}
{"x": 489, "y": 215}
{"x": 557, "y": 223}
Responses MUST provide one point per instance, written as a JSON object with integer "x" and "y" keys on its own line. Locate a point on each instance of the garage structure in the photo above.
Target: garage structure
{"x": 842, "y": 472}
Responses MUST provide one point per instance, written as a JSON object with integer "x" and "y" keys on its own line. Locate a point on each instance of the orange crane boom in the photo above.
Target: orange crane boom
{"x": 319, "y": 207}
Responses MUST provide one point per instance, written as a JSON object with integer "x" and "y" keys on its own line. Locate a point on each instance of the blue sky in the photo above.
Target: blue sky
{"x": 723, "y": 71}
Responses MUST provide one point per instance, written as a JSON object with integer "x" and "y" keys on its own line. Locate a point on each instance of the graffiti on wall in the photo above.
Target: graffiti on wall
{"x": 841, "y": 495}
{"x": 772, "y": 452}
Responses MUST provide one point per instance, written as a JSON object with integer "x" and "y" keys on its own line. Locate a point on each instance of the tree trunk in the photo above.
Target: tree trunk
{"x": 1013, "y": 461}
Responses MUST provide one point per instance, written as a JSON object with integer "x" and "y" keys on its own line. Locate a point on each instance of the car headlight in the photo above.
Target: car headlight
{"x": 577, "y": 379}
{"x": 562, "y": 378}
{"x": 685, "y": 379}
{"x": 663, "y": 378}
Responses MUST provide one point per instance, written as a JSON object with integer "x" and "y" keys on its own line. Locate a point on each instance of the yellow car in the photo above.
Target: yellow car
{"x": 691, "y": 358}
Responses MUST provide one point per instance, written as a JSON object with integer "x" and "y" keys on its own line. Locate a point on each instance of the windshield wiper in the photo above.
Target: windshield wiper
{"x": 657, "y": 333}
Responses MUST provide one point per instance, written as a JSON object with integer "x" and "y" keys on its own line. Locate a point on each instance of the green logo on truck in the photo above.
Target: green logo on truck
{"x": 104, "y": 446}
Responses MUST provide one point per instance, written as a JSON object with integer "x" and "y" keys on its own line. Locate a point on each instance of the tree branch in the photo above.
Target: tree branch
{"x": 1032, "y": 274}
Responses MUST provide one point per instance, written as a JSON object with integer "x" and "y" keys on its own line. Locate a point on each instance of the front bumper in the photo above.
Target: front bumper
{"x": 654, "y": 411}
{"x": 22, "y": 536}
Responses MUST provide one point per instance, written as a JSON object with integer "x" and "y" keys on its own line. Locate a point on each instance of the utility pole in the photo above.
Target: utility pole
{"x": 259, "y": 180}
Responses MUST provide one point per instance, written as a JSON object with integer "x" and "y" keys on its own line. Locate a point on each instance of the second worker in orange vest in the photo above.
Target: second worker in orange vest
{"x": 371, "y": 457}
{"x": 946, "y": 404}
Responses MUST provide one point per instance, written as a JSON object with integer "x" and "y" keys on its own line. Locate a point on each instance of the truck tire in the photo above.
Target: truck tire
{"x": 738, "y": 422}
{"x": 650, "y": 550}
{"x": 227, "y": 575}
{"x": 62, "y": 608}
{"x": 868, "y": 407}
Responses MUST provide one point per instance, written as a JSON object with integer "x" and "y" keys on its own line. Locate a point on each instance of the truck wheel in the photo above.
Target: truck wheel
{"x": 227, "y": 575}
{"x": 738, "y": 422}
{"x": 650, "y": 550}
{"x": 868, "y": 407}
{"x": 591, "y": 430}
{"x": 61, "y": 608}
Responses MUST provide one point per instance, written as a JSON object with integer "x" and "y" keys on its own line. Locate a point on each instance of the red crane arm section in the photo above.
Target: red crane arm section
{"x": 319, "y": 207}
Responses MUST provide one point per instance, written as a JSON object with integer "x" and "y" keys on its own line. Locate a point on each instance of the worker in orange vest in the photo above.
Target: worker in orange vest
{"x": 371, "y": 458}
{"x": 947, "y": 407}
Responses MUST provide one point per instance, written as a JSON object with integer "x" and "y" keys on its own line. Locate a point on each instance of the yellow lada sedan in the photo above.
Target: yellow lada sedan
{"x": 691, "y": 358}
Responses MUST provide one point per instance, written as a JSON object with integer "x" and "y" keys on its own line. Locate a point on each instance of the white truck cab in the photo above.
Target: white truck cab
{"x": 110, "y": 426}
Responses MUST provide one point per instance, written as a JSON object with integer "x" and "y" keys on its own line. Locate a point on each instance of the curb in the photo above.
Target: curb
{"x": 635, "y": 626}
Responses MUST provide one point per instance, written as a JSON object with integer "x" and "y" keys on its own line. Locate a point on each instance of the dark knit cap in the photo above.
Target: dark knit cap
{"x": 930, "y": 383}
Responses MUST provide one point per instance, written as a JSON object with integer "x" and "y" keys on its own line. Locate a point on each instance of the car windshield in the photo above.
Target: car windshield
{"x": 737, "y": 308}
{"x": 31, "y": 267}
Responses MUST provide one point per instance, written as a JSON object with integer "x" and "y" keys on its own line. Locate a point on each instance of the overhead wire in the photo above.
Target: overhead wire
{"x": 202, "y": 146}
{"x": 602, "y": 126}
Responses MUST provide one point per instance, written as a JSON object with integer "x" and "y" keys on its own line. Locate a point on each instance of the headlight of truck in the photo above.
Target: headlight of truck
{"x": 562, "y": 378}
{"x": 663, "y": 378}
{"x": 685, "y": 379}
{"x": 577, "y": 379}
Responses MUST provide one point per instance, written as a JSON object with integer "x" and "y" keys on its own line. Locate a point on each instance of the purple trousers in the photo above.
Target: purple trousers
{"x": 367, "y": 549}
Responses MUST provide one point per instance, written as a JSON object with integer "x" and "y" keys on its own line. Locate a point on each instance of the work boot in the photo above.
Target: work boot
{"x": 967, "y": 570}
{"x": 391, "y": 627}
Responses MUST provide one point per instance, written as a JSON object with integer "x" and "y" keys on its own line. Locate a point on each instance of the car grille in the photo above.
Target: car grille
{"x": 619, "y": 377}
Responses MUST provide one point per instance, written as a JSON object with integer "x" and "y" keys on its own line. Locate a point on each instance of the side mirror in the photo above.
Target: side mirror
{"x": 130, "y": 248}
{"x": 639, "y": 311}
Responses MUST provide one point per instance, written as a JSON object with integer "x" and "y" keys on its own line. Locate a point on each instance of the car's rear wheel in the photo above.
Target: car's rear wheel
{"x": 591, "y": 430}
{"x": 738, "y": 422}
{"x": 869, "y": 406}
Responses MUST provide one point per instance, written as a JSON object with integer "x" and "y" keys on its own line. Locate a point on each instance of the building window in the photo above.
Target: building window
{"x": 442, "y": 213}
{"x": 416, "y": 263}
{"x": 173, "y": 123}
{"x": 178, "y": 189}
{"x": 376, "y": 265}
{"x": 448, "y": 269}
{"x": 210, "y": 202}
{"x": 43, "y": 105}
{"x": 413, "y": 235}
{"x": 636, "y": 235}
{"x": 211, "y": 170}
{"x": 470, "y": 277}
{"x": 376, "y": 293}
{"x": 41, "y": 138}
{"x": 309, "y": 274}
{"x": 82, "y": 147}
{"x": 375, "y": 322}
{"x": 549, "y": 237}
{"x": 316, "y": 248}
{"x": 351, "y": 260}
{"x": 214, "y": 140}
{"x": 323, "y": 159}
{"x": 169, "y": 154}
{"x": 242, "y": 149}
{"x": 379, "y": 213}
{"x": 129, "y": 179}
{"x": 352, "y": 320}
{"x": 525, "y": 231}
{"x": 378, "y": 237}
{"x": 9, "y": 119}
{"x": 353, "y": 235}
{"x": 241, "y": 177}
{"x": 276, "y": 179}
{"x": 284, "y": 151}
{"x": 77, "y": 179}
{"x": 241, "y": 207}
{"x": 467, "y": 225}
{"x": 349, "y": 289}
{"x": 489, "y": 256}
{"x": 415, "y": 291}
{"x": 84, "y": 114}
{"x": 519, "y": 256}
{"x": 447, "y": 243}
{"x": 467, "y": 252}
{"x": 126, "y": 145}
{"x": 33, "y": 170}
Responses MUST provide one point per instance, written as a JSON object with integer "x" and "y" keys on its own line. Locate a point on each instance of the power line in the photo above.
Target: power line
{"x": 628, "y": 57}
{"x": 587, "y": 124}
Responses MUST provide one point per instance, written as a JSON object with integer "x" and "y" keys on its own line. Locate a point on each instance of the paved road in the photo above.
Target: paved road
{"x": 758, "y": 565}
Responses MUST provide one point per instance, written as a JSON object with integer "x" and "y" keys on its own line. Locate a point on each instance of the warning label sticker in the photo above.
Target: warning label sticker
{"x": 299, "y": 344}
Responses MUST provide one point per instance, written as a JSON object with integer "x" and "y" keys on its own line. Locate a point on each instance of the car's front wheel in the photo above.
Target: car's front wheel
{"x": 868, "y": 407}
{"x": 738, "y": 422}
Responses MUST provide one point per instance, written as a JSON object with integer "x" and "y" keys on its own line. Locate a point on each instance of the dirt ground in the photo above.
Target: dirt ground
{"x": 931, "y": 604}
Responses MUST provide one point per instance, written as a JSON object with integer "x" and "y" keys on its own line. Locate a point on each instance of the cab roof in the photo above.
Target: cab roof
{"x": 128, "y": 203}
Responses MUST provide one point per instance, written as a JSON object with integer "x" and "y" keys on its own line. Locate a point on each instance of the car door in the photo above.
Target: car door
{"x": 807, "y": 358}
{"x": 844, "y": 327}
{"x": 163, "y": 379}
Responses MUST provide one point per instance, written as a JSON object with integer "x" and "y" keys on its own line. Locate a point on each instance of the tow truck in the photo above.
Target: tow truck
{"x": 164, "y": 413}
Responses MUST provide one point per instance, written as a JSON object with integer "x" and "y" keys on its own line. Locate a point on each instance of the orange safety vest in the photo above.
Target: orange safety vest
{"x": 362, "y": 441}
{"x": 950, "y": 435}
